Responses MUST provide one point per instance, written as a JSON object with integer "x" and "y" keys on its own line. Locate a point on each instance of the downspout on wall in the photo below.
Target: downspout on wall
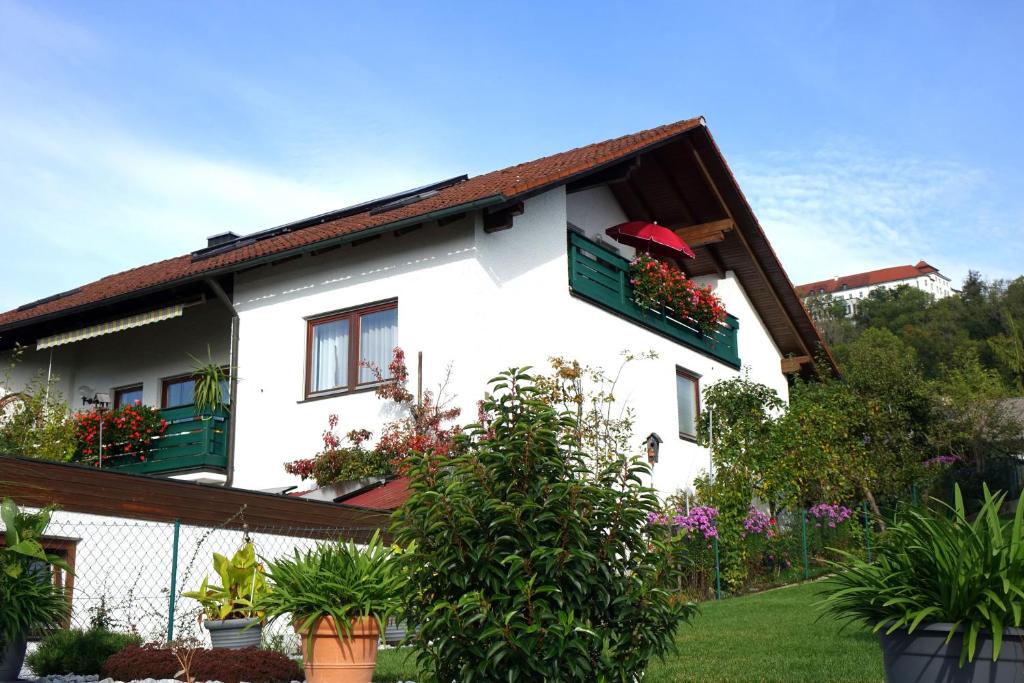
{"x": 233, "y": 382}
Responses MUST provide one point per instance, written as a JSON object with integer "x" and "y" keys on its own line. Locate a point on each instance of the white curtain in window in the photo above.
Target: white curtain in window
{"x": 378, "y": 333}
{"x": 330, "y": 355}
{"x": 686, "y": 400}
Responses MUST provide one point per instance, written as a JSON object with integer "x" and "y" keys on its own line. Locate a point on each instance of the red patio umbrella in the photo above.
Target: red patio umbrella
{"x": 651, "y": 238}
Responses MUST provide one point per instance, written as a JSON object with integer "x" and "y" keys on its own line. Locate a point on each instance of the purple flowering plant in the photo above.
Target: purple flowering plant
{"x": 701, "y": 519}
{"x": 758, "y": 522}
{"x": 941, "y": 460}
{"x": 830, "y": 514}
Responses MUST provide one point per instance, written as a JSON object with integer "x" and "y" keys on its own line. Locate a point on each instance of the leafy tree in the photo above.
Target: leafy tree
{"x": 738, "y": 425}
{"x": 893, "y": 309}
{"x": 35, "y": 421}
{"x": 976, "y": 422}
{"x": 829, "y": 314}
{"x": 1008, "y": 348}
{"x": 526, "y": 566}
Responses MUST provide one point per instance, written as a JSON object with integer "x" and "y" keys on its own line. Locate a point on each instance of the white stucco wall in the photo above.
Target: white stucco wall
{"x": 476, "y": 301}
{"x": 480, "y": 302}
{"x": 143, "y": 355}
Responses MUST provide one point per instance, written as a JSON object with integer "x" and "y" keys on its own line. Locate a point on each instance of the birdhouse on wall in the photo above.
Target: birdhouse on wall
{"x": 653, "y": 443}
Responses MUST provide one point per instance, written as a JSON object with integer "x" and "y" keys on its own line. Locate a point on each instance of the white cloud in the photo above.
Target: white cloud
{"x": 846, "y": 209}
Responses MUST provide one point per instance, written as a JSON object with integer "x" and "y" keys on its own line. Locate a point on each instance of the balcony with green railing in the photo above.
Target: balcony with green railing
{"x": 190, "y": 443}
{"x": 601, "y": 276}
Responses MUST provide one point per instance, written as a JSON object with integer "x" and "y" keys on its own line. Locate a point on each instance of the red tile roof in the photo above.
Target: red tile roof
{"x": 506, "y": 184}
{"x": 388, "y": 496}
{"x": 872, "y": 277}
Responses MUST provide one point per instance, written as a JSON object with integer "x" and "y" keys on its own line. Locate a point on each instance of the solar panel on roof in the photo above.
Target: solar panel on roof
{"x": 379, "y": 205}
{"x": 48, "y": 299}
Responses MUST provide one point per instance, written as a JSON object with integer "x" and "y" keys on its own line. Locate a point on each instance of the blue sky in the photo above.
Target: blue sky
{"x": 864, "y": 134}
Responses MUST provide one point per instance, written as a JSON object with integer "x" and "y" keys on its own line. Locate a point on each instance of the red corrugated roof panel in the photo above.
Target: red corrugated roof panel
{"x": 388, "y": 496}
{"x": 872, "y": 277}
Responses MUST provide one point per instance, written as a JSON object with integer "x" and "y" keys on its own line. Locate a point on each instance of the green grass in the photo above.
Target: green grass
{"x": 771, "y": 637}
{"x": 395, "y": 664}
{"x": 774, "y": 637}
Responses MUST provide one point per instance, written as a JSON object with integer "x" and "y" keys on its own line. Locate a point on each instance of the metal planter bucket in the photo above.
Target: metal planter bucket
{"x": 395, "y": 631}
{"x": 234, "y": 633}
{"x": 924, "y": 655}
{"x": 12, "y": 657}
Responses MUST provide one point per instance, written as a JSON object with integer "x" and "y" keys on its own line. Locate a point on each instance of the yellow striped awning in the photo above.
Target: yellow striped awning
{"x": 111, "y": 327}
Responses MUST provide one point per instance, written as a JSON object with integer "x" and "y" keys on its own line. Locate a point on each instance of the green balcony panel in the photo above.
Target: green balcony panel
{"x": 190, "y": 442}
{"x": 601, "y": 276}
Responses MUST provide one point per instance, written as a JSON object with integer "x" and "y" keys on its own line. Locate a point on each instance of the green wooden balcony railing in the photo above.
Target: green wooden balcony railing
{"x": 601, "y": 276}
{"x": 190, "y": 442}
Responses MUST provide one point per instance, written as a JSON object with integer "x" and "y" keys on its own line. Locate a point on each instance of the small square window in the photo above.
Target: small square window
{"x": 688, "y": 403}
{"x": 178, "y": 391}
{"x": 127, "y": 396}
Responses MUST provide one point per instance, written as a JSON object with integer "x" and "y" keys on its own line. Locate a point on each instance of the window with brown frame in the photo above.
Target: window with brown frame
{"x": 180, "y": 391}
{"x": 127, "y": 396}
{"x": 688, "y": 402}
{"x": 338, "y": 345}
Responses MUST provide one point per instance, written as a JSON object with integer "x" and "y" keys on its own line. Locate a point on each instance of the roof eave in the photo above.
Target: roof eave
{"x": 261, "y": 260}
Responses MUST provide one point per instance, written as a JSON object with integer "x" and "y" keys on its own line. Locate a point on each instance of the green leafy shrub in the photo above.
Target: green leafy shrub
{"x": 939, "y": 567}
{"x": 29, "y": 600}
{"x": 525, "y": 563}
{"x": 251, "y": 664}
{"x": 77, "y": 651}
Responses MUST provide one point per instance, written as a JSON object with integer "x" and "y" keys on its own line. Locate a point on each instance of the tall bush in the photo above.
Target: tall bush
{"x": 526, "y": 566}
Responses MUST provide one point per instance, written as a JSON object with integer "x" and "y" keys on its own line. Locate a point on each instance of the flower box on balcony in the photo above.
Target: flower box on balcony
{"x": 601, "y": 276}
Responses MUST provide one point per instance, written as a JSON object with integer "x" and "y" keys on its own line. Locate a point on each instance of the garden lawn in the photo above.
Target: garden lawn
{"x": 775, "y": 636}
{"x": 770, "y": 637}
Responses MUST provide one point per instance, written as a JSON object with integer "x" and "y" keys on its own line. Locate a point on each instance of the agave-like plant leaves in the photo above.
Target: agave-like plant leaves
{"x": 340, "y": 580}
{"x": 938, "y": 566}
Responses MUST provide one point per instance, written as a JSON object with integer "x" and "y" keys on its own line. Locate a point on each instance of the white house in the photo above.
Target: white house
{"x": 852, "y": 289}
{"x": 482, "y": 274}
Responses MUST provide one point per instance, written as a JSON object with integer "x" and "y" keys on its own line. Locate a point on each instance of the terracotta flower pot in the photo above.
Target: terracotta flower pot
{"x": 334, "y": 660}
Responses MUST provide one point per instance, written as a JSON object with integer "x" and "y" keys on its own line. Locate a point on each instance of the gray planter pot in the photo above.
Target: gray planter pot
{"x": 12, "y": 657}
{"x": 924, "y": 655}
{"x": 234, "y": 633}
{"x": 395, "y": 632}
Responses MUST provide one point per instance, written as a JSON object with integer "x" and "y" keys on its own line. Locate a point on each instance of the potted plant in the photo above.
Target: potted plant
{"x": 210, "y": 378}
{"x": 339, "y": 597}
{"x": 29, "y": 599}
{"x": 229, "y": 610}
{"x": 945, "y": 594}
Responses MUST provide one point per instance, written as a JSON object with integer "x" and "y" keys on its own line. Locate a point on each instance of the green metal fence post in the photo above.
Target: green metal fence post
{"x": 718, "y": 572}
{"x": 867, "y": 531}
{"x": 913, "y": 495}
{"x": 803, "y": 528}
{"x": 174, "y": 581}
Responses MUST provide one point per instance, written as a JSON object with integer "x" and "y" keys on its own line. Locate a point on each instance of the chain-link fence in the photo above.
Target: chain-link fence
{"x": 130, "y": 574}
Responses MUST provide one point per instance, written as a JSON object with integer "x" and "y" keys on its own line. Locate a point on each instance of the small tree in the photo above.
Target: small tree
{"x": 602, "y": 427}
{"x": 526, "y": 565}
{"x": 35, "y": 421}
{"x": 976, "y": 421}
